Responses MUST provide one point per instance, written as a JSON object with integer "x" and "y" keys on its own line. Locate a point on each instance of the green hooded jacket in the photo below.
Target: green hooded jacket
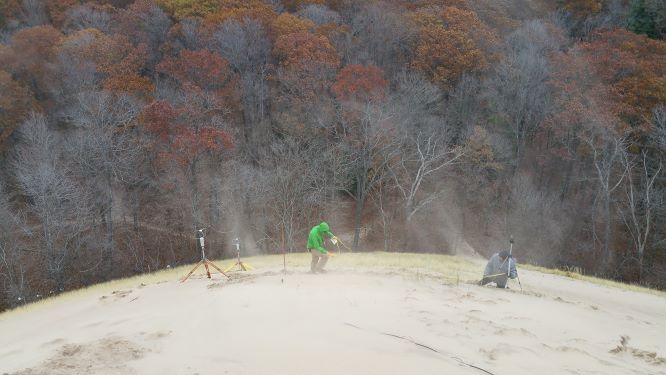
{"x": 316, "y": 237}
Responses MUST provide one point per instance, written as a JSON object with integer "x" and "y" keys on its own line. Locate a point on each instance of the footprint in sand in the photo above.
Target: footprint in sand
{"x": 118, "y": 294}
{"x": 647, "y": 356}
{"x": 560, "y": 299}
{"x": 106, "y": 356}
{"x": 518, "y": 331}
{"x": 493, "y": 353}
{"x": 158, "y": 335}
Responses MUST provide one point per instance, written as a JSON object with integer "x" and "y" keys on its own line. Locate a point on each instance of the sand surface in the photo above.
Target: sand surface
{"x": 348, "y": 321}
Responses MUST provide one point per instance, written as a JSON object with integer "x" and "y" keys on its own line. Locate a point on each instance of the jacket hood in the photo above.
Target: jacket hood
{"x": 323, "y": 227}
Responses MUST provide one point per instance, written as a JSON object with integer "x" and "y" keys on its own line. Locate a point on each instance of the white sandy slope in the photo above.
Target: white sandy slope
{"x": 344, "y": 322}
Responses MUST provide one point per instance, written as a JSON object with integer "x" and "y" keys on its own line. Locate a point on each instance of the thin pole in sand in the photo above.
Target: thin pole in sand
{"x": 284, "y": 264}
{"x": 508, "y": 268}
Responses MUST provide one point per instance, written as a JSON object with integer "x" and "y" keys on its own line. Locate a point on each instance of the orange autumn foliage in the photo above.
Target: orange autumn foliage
{"x": 57, "y": 10}
{"x": 130, "y": 83}
{"x": 422, "y": 4}
{"x": 9, "y": 9}
{"x": 240, "y": 10}
{"x": 633, "y": 66}
{"x": 303, "y": 49}
{"x": 444, "y": 55}
{"x": 467, "y": 22}
{"x": 287, "y": 24}
{"x": 294, "y": 5}
{"x": 364, "y": 83}
{"x": 202, "y": 68}
{"x": 180, "y": 9}
{"x": 582, "y": 8}
{"x": 178, "y": 140}
{"x": 29, "y": 55}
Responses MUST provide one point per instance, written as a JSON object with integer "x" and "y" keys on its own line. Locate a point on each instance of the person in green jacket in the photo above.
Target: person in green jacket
{"x": 316, "y": 246}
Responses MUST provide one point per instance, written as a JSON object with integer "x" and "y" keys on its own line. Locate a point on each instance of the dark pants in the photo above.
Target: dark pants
{"x": 500, "y": 280}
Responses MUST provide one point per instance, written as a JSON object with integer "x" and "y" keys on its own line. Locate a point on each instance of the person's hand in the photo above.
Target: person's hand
{"x": 330, "y": 254}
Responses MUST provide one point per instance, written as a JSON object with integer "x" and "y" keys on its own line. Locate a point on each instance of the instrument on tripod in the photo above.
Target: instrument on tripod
{"x": 242, "y": 266}
{"x": 200, "y": 244}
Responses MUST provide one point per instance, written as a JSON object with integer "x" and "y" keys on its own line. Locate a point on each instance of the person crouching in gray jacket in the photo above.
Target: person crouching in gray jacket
{"x": 498, "y": 270}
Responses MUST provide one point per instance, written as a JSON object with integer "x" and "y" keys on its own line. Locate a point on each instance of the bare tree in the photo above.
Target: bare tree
{"x": 640, "y": 203}
{"x": 54, "y": 198}
{"x": 423, "y": 156}
{"x": 519, "y": 89}
{"x": 538, "y": 219}
{"x": 462, "y": 107}
{"x": 659, "y": 136}
{"x": 247, "y": 47}
{"x": 292, "y": 192}
{"x": 384, "y": 38}
{"x": 12, "y": 268}
{"x": 368, "y": 144}
{"x": 607, "y": 153}
{"x": 85, "y": 16}
{"x": 72, "y": 75}
{"x": 104, "y": 152}
{"x": 320, "y": 14}
{"x": 33, "y": 12}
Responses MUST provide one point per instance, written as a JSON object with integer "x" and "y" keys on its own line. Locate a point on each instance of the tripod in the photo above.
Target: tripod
{"x": 508, "y": 270}
{"x": 241, "y": 266}
{"x": 204, "y": 260}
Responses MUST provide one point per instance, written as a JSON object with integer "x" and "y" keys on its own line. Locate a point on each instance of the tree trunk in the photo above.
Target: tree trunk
{"x": 109, "y": 245}
{"x": 607, "y": 232}
{"x": 640, "y": 265}
{"x": 407, "y": 223}
{"x": 358, "y": 212}
{"x": 194, "y": 185}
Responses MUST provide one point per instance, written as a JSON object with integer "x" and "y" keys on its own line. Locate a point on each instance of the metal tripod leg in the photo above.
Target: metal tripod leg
{"x": 193, "y": 269}
{"x": 207, "y": 270}
{"x": 217, "y": 268}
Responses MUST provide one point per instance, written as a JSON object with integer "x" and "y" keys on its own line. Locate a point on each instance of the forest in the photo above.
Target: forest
{"x": 410, "y": 125}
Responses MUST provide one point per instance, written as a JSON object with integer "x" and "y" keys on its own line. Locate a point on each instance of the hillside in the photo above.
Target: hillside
{"x": 372, "y": 313}
{"x": 127, "y": 125}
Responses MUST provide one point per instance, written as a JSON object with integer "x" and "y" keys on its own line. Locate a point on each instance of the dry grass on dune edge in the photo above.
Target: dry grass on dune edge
{"x": 446, "y": 268}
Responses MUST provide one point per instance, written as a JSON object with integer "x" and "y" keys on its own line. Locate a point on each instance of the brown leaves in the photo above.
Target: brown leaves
{"x": 239, "y": 10}
{"x": 202, "y": 68}
{"x": 180, "y": 9}
{"x": 633, "y": 67}
{"x": 360, "y": 82}
{"x": 15, "y": 103}
{"x": 583, "y": 8}
{"x": 57, "y": 10}
{"x": 452, "y": 43}
{"x": 468, "y": 23}
{"x": 287, "y": 24}
{"x": 177, "y": 140}
{"x": 303, "y": 49}
{"x": 444, "y": 55}
{"x": 9, "y": 9}
{"x": 118, "y": 61}
{"x": 29, "y": 55}
{"x": 307, "y": 64}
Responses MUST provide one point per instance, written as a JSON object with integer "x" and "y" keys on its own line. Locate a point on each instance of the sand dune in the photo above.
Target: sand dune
{"x": 349, "y": 321}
